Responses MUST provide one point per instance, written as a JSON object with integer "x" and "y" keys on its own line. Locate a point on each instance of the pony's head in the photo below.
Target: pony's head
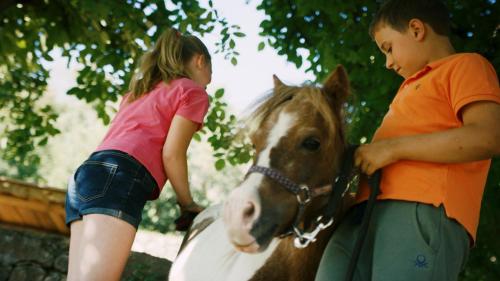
{"x": 298, "y": 137}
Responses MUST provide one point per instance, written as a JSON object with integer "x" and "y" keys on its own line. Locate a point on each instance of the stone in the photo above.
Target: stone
{"x": 27, "y": 272}
{"x": 141, "y": 266}
{"x": 5, "y": 272}
{"x": 53, "y": 276}
{"x": 30, "y": 255}
{"x": 61, "y": 263}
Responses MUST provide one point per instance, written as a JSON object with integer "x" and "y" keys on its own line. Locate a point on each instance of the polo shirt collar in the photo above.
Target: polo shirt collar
{"x": 427, "y": 68}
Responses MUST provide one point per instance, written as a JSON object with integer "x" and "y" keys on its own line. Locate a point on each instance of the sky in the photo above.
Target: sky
{"x": 252, "y": 77}
{"x": 243, "y": 83}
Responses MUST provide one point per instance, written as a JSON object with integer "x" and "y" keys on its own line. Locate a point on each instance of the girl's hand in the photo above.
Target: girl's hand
{"x": 188, "y": 213}
{"x": 191, "y": 207}
{"x": 373, "y": 156}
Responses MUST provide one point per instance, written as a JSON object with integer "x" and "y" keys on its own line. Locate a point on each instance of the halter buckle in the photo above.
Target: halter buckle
{"x": 304, "y": 239}
{"x": 304, "y": 195}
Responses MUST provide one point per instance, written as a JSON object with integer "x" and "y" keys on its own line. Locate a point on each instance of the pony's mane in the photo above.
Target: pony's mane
{"x": 282, "y": 94}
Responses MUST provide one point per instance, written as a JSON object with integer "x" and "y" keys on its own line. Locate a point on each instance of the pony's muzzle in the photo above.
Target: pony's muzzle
{"x": 241, "y": 211}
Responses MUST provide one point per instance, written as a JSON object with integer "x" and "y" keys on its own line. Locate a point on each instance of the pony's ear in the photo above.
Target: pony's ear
{"x": 337, "y": 85}
{"x": 277, "y": 81}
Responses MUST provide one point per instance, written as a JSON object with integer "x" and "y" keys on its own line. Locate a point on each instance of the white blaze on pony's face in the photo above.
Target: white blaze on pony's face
{"x": 244, "y": 207}
{"x": 298, "y": 134}
{"x": 285, "y": 122}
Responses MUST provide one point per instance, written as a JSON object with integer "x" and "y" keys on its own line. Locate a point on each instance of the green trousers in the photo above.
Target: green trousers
{"x": 406, "y": 241}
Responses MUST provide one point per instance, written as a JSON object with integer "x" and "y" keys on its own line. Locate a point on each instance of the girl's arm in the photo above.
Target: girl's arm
{"x": 175, "y": 159}
{"x": 477, "y": 139}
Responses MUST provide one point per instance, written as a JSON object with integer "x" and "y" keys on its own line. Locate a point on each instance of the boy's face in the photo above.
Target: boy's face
{"x": 402, "y": 50}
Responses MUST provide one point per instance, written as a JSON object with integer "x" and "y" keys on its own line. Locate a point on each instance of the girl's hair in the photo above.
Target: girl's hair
{"x": 398, "y": 13}
{"x": 166, "y": 61}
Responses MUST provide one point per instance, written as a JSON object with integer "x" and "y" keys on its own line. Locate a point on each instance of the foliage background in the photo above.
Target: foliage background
{"x": 107, "y": 37}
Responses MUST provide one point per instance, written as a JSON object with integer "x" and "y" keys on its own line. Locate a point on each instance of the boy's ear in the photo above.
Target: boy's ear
{"x": 417, "y": 29}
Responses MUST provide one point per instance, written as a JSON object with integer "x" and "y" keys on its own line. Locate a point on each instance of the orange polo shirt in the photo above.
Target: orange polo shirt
{"x": 430, "y": 101}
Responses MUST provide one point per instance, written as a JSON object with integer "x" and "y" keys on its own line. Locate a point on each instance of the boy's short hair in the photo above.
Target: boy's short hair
{"x": 398, "y": 13}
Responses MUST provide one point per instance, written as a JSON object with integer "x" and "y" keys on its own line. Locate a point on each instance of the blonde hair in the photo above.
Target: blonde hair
{"x": 166, "y": 61}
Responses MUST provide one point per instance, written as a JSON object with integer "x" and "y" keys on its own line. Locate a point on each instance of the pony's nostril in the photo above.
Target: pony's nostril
{"x": 248, "y": 211}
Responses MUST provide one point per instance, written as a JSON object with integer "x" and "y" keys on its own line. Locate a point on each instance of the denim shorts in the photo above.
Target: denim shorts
{"x": 110, "y": 182}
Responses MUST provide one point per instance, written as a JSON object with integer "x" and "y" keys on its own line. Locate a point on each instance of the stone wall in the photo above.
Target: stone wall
{"x": 30, "y": 255}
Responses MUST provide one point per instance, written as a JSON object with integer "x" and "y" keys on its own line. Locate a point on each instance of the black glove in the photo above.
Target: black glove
{"x": 184, "y": 221}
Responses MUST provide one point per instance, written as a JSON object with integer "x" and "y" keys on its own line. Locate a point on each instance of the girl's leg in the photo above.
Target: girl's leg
{"x": 99, "y": 248}
{"x": 74, "y": 245}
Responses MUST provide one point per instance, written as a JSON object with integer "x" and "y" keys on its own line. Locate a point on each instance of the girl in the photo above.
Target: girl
{"x": 145, "y": 145}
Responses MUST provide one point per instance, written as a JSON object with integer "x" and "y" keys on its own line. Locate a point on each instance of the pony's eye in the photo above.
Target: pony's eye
{"x": 311, "y": 144}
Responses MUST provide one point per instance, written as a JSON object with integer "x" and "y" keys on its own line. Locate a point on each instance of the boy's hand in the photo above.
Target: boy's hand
{"x": 373, "y": 156}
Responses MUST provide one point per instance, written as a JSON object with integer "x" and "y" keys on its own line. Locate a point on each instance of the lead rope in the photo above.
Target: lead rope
{"x": 374, "y": 182}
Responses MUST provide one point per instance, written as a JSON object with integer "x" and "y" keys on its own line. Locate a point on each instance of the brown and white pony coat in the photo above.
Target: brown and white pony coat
{"x": 299, "y": 132}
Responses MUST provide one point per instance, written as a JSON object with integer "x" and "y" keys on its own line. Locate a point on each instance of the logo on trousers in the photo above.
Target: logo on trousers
{"x": 420, "y": 261}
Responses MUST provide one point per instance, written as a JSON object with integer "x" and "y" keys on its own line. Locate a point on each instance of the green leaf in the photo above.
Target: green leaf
{"x": 47, "y": 57}
{"x": 219, "y": 93}
{"x": 261, "y": 46}
{"x": 220, "y": 164}
{"x": 43, "y": 141}
{"x": 197, "y": 137}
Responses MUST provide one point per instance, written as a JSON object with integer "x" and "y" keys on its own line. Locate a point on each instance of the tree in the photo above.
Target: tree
{"x": 106, "y": 38}
{"x": 336, "y": 32}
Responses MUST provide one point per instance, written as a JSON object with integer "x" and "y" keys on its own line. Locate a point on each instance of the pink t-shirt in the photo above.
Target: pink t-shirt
{"x": 141, "y": 127}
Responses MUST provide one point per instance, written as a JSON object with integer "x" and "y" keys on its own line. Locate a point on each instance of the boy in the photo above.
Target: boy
{"x": 434, "y": 148}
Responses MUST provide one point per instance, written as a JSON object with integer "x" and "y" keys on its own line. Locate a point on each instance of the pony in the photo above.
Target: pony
{"x": 298, "y": 136}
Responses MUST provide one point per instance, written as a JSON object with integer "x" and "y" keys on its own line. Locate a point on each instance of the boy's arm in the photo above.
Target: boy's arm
{"x": 477, "y": 139}
{"x": 175, "y": 160}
